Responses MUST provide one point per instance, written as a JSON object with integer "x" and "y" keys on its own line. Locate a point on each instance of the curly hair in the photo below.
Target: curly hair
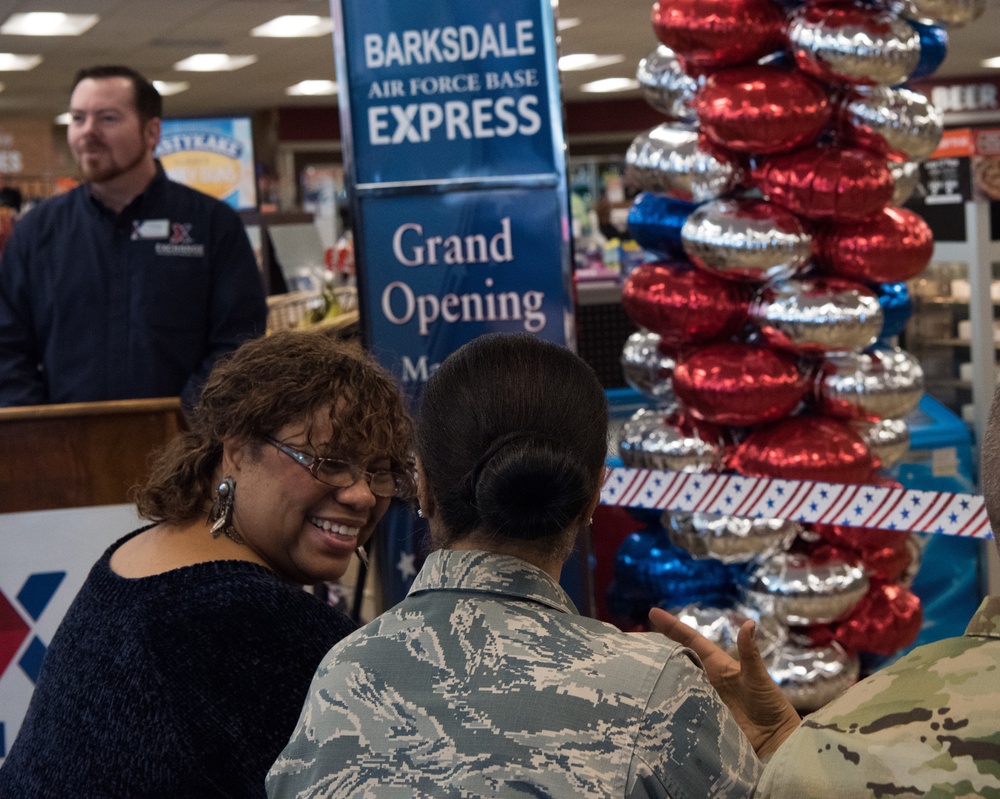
{"x": 268, "y": 383}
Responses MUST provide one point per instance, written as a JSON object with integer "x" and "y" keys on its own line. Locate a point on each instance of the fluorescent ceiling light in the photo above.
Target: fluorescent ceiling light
{"x": 568, "y": 22}
{"x": 166, "y": 87}
{"x": 214, "y": 62}
{"x": 992, "y": 63}
{"x": 64, "y": 118}
{"x": 293, "y": 25}
{"x": 610, "y": 85}
{"x": 48, "y": 23}
{"x": 312, "y": 88}
{"x": 580, "y": 61}
{"x": 15, "y": 62}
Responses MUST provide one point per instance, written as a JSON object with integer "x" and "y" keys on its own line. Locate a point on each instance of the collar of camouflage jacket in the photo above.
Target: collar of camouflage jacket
{"x": 486, "y": 572}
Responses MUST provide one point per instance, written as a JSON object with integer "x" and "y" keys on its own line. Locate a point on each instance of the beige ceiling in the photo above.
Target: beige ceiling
{"x": 151, "y": 35}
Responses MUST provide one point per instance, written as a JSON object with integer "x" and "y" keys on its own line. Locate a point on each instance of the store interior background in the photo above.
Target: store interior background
{"x": 299, "y": 164}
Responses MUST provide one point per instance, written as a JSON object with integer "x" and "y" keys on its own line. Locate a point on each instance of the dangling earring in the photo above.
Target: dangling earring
{"x": 221, "y": 515}
{"x": 362, "y": 555}
{"x": 420, "y": 512}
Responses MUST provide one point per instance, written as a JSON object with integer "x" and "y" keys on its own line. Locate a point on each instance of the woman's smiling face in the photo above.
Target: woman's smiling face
{"x": 302, "y": 528}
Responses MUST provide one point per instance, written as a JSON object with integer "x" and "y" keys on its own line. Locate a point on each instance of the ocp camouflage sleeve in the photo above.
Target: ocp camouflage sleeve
{"x": 484, "y": 682}
{"x": 926, "y": 726}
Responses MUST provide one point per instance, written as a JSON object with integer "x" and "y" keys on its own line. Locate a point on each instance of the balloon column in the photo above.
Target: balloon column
{"x": 771, "y": 197}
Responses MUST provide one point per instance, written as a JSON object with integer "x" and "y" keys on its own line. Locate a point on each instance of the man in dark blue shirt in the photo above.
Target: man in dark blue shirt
{"x": 130, "y": 285}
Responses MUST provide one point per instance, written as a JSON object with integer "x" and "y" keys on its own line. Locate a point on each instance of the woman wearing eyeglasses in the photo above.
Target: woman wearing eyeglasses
{"x": 181, "y": 667}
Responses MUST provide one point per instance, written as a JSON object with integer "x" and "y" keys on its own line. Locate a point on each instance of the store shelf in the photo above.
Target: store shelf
{"x": 944, "y": 382}
{"x": 944, "y": 301}
{"x": 951, "y": 342}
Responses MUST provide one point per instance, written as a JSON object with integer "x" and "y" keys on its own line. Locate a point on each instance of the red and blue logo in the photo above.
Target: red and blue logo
{"x": 16, "y": 625}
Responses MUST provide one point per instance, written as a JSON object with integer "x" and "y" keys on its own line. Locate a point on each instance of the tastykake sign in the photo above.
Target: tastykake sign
{"x": 454, "y": 152}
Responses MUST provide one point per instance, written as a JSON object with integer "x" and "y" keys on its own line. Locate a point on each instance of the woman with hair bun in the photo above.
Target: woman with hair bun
{"x": 485, "y": 681}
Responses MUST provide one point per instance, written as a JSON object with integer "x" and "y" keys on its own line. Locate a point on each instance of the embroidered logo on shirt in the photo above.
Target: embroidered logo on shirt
{"x": 181, "y": 234}
{"x": 181, "y": 243}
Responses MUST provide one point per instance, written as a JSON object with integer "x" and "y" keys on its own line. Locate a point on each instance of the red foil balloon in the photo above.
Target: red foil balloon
{"x": 714, "y": 33}
{"x": 884, "y": 563}
{"x": 887, "y": 619}
{"x": 739, "y": 384}
{"x": 762, "y": 109}
{"x": 682, "y": 304}
{"x": 892, "y": 246}
{"x": 805, "y": 448}
{"x": 827, "y": 183}
{"x": 884, "y": 553}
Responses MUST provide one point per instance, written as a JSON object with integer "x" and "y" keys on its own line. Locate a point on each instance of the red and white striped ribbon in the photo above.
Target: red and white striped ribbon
{"x": 803, "y": 501}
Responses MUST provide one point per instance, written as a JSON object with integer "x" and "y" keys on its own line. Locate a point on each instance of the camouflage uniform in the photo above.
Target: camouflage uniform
{"x": 485, "y": 682}
{"x": 927, "y": 726}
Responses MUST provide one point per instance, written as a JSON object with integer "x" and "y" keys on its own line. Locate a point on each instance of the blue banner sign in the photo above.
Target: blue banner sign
{"x": 454, "y": 266}
{"x": 450, "y": 90}
{"x": 455, "y": 164}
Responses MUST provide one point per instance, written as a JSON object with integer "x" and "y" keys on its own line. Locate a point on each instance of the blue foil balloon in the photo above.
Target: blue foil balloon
{"x": 933, "y": 48}
{"x": 655, "y": 222}
{"x": 896, "y": 308}
{"x": 667, "y": 576}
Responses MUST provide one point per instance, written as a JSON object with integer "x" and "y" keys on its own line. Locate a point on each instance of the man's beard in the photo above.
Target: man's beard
{"x": 108, "y": 170}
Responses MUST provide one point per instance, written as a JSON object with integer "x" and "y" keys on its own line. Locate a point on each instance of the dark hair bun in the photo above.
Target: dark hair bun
{"x": 531, "y": 488}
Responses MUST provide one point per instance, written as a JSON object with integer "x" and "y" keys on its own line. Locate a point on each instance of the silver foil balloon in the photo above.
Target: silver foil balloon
{"x": 731, "y": 539}
{"x": 666, "y": 86}
{"x": 906, "y": 178}
{"x": 670, "y": 159}
{"x": 647, "y": 369}
{"x": 746, "y": 240}
{"x": 888, "y": 439}
{"x": 799, "y": 590}
{"x": 900, "y": 121}
{"x": 817, "y": 314}
{"x": 841, "y": 44}
{"x": 915, "y": 545}
{"x": 950, "y": 13}
{"x": 721, "y": 626}
{"x": 811, "y": 676}
{"x": 882, "y": 384}
{"x": 649, "y": 442}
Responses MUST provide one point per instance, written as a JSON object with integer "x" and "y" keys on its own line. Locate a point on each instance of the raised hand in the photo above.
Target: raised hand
{"x": 760, "y": 708}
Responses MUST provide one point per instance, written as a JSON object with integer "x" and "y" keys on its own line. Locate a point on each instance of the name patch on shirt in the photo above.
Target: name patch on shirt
{"x": 144, "y": 229}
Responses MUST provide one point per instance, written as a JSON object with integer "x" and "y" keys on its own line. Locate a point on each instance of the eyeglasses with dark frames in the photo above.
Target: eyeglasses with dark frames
{"x": 339, "y": 473}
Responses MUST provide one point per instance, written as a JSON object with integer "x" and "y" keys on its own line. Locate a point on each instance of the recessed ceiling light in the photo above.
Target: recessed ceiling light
{"x": 312, "y": 88}
{"x": 64, "y": 118}
{"x": 610, "y": 85}
{"x": 991, "y": 63}
{"x": 565, "y": 23}
{"x": 580, "y": 61}
{"x": 214, "y": 62}
{"x": 292, "y": 25}
{"x": 15, "y": 62}
{"x": 48, "y": 23}
{"x": 166, "y": 87}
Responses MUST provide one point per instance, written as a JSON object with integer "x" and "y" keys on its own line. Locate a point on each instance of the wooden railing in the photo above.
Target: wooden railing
{"x": 80, "y": 454}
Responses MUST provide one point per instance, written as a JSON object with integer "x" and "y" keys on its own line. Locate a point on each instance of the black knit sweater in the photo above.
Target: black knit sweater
{"x": 186, "y": 684}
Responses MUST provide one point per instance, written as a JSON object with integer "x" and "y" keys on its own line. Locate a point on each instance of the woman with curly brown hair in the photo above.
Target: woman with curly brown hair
{"x": 181, "y": 667}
